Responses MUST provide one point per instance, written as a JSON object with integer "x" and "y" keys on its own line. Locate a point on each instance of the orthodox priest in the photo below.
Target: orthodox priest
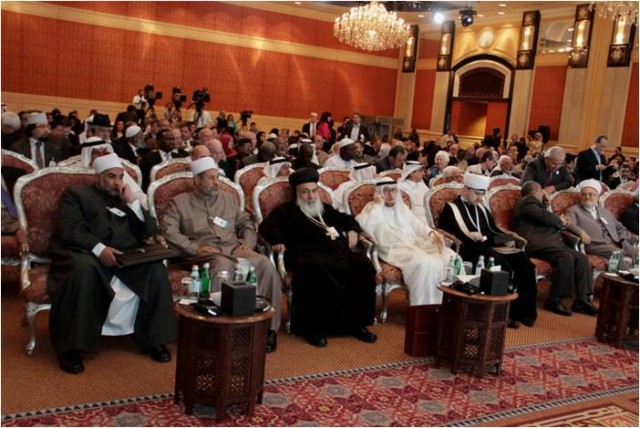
{"x": 333, "y": 286}
{"x": 89, "y": 293}
{"x": 475, "y": 226}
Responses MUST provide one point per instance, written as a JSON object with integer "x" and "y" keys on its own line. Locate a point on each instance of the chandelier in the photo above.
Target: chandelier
{"x": 614, "y": 9}
{"x": 371, "y": 28}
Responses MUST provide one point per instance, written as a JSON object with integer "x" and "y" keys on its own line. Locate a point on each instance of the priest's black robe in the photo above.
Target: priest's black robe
{"x": 518, "y": 264}
{"x": 78, "y": 282}
{"x": 333, "y": 287}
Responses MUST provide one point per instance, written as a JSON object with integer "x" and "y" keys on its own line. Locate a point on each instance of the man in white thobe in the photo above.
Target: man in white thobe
{"x": 413, "y": 184}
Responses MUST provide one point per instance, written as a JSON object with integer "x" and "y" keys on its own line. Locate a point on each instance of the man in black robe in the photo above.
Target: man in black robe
{"x": 475, "y": 226}
{"x": 333, "y": 286}
{"x": 95, "y": 224}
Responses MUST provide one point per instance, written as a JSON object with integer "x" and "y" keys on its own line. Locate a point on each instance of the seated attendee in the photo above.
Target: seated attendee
{"x": 541, "y": 228}
{"x": 441, "y": 161}
{"x": 206, "y": 137}
{"x": 485, "y": 166}
{"x": 601, "y": 233}
{"x": 127, "y": 147}
{"x": 548, "y": 171}
{"x": 412, "y": 182}
{"x": 629, "y": 217}
{"x": 89, "y": 293}
{"x": 504, "y": 167}
{"x": 334, "y": 290}
{"x": 199, "y": 152}
{"x": 360, "y": 173}
{"x": 450, "y": 174}
{"x": 37, "y": 147}
{"x": 206, "y": 224}
{"x": 11, "y": 130}
{"x": 344, "y": 158}
{"x": 277, "y": 167}
{"x": 360, "y": 156}
{"x": 394, "y": 160}
{"x": 306, "y": 154}
{"x": 622, "y": 176}
{"x": 469, "y": 221}
{"x": 266, "y": 152}
{"x": 167, "y": 150}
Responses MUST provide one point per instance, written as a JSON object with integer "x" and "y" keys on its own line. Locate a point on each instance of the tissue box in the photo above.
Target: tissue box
{"x": 494, "y": 283}
{"x": 238, "y": 299}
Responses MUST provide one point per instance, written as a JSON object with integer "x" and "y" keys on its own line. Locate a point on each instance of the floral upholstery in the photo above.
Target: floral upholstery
{"x": 502, "y": 204}
{"x": 334, "y": 178}
{"x": 10, "y": 246}
{"x": 170, "y": 168}
{"x": 132, "y": 170}
{"x": 165, "y": 194}
{"x": 629, "y": 185}
{"x": 393, "y": 174}
{"x": 437, "y": 181}
{"x": 561, "y": 201}
{"x": 360, "y": 196}
{"x": 598, "y": 263}
{"x": 16, "y": 160}
{"x": 176, "y": 273}
{"x": 276, "y": 194}
{"x": 617, "y": 202}
{"x": 248, "y": 178}
{"x": 391, "y": 274}
{"x": 502, "y": 181}
{"x": 439, "y": 198}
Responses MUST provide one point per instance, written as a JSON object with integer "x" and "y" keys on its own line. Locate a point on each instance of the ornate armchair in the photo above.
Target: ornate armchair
{"x": 503, "y": 180}
{"x": 268, "y": 195}
{"x": 394, "y": 174}
{"x": 334, "y": 177}
{"x": 616, "y": 201}
{"x": 248, "y": 178}
{"x": 162, "y": 191}
{"x": 37, "y": 199}
{"x": 628, "y": 186}
{"x": 131, "y": 169}
{"x": 434, "y": 201}
{"x": 439, "y": 180}
{"x": 165, "y": 168}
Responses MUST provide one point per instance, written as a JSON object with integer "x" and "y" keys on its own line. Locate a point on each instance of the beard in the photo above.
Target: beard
{"x": 209, "y": 192}
{"x": 589, "y": 204}
{"x": 312, "y": 209}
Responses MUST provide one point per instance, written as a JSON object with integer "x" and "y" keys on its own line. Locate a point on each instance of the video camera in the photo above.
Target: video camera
{"x": 245, "y": 116}
{"x": 151, "y": 95}
{"x": 201, "y": 96}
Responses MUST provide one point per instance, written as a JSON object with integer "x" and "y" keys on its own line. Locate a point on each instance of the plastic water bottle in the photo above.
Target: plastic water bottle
{"x": 251, "y": 277}
{"x": 614, "y": 262}
{"x": 450, "y": 269}
{"x": 238, "y": 274}
{"x": 457, "y": 266}
{"x": 194, "y": 285}
{"x": 492, "y": 263}
{"x": 480, "y": 265}
{"x": 205, "y": 283}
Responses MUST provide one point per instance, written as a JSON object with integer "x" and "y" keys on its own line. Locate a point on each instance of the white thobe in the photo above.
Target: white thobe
{"x": 337, "y": 162}
{"x": 416, "y": 192}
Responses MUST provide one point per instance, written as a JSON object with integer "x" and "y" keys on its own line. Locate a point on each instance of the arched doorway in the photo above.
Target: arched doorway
{"x": 480, "y": 96}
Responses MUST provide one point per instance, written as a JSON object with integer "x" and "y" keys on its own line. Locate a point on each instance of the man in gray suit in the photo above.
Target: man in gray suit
{"x": 596, "y": 226}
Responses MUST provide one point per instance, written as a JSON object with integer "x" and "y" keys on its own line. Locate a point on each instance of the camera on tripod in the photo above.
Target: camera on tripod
{"x": 245, "y": 116}
{"x": 151, "y": 95}
{"x": 201, "y": 96}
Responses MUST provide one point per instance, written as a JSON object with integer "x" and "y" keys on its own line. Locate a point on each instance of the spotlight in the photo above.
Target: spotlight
{"x": 466, "y": 17}
{"x": 438, "y": 17}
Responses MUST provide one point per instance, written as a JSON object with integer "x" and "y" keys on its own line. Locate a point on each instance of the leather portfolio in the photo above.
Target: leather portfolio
{"x": 145, "y": 254}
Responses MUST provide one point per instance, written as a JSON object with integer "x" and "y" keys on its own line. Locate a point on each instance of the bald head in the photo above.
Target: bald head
{"x": 200, "y": 152}
{"x": 216, "y": 149}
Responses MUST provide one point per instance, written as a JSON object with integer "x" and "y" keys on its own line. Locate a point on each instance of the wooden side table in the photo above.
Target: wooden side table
{"x": 220, "y": 359}
{"x": 472, "y": 329}
{"x": 618, "y": 313}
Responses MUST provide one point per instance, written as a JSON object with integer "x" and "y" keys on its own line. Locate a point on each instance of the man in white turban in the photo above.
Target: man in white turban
{"x": 412, "y": 182}
{"x": 597, "y": 227}
{"x": 344, "y": 158}
{"x": 90, "y": 293}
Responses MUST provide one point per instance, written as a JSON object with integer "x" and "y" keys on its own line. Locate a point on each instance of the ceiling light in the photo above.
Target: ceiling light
{"x": 480, "y": 15}
{"x": 438, "y": 17}
{"x": 298, "y": 3}
{"x": 466, "y": 17}
{"x": 500, "y": 13}
{"x": 570, "y": 29}
{"x": 615, "y": 9}
{"x": 502, "y": 4}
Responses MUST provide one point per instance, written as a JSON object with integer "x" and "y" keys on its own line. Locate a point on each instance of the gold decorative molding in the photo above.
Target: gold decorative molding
{"x": 549, "y": 59}
{"x": 147, "y": 26}
{"x": 426, "y": 64}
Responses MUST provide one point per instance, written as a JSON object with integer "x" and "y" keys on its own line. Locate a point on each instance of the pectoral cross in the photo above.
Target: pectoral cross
{"x": 331, "y": 235}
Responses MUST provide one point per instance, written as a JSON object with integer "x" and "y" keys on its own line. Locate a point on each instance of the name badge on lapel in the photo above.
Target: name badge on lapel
{"x": 219, "y": 222}
{"x": 117, "y": 212}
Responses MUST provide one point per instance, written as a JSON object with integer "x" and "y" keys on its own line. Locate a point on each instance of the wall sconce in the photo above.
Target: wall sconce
{"x": 579, "y": 55}
{"x": 411, "y": 50}
{"x": 528, "y": 40}
{"x": 446, "y": 46}
{"x": 624, "y": 31}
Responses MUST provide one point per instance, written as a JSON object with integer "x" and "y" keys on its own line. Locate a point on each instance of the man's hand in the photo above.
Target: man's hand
{"x": 584, "y": 236}
{"x": 108, "y": 256}
{"x": 241, "y": 247}
{"x": 206, "y": 249}
{"x": 160, "y": 240}
{"x": 278, "y": 248}
{"x": 126, "y": 195}
{"x": 549, "y": 189}
{"x": 438, "y": 239}
{"x": 476, "y": 236}
{"x": 364, "y": 236}
{"x": 353, "y": 238}
{"x": 565, "y": 220}
{"x": 601, "y": 167}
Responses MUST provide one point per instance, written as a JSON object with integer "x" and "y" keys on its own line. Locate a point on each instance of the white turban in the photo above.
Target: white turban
{"x": 409, "y": 167}
{"x": 306, "y": 140}
{"x": 345, "y": 142}
{"x": 363, "y": 171}
{"x": 203, "y": 164}
{"x": 475, "y": 181}
{"x": 271, "y": 136}
{"x": 37, "y": 119}
{"x": 106, "y": 162}
{"x": 594, "y": 184}
{"x": 132, "y": 131}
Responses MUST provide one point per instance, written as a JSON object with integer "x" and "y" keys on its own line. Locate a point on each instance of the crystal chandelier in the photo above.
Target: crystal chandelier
{"x": 371, "y": 27}
{"x": 613, "y": 9}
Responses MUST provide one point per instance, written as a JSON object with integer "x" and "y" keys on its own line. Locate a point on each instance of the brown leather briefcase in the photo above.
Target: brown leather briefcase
{"x": 145, "y": 254}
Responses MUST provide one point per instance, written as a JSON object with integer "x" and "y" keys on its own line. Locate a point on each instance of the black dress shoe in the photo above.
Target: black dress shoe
{"x": 159, "y": 353}
{"x": 584, "y": 307}
{"x": 71, "y": 362}
{"x": 557, "y": 308}
{"x": 365, "y": 335}
{"x": 529, "y": 322}
{"x": 272, "y": 341}
{"x": 513, "y": 324}
{"x": 317, "y": 341}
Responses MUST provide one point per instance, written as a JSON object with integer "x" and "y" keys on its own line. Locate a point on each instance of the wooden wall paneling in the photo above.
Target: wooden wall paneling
{"x": 630, "y": 128}
{"x": 547, "y": 98}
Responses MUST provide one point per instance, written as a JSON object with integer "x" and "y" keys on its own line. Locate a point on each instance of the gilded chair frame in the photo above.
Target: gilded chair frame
{"x": 185, "y": 164}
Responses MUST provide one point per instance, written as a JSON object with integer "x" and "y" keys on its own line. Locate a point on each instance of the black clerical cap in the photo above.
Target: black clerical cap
{"x": 303, "y": 175}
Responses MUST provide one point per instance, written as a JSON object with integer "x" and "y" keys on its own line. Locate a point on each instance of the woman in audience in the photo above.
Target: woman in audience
{"x": 117, "y": 131}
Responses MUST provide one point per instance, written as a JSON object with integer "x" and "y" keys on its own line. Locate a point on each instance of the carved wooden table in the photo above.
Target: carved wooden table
{"x": 220, "y": 359}
{"x": 618, "y": 313}
{"x": 472, "y": 329}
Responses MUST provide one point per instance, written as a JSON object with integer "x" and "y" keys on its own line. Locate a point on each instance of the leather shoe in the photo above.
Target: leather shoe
{"x": 272, "y": 341}
{"x": 365, "y": 335}
{"x": 557, "y": 308}
{"x": 529, "y": 322}
{"x": 584, "y": 307}
{"x": 513, "y": 324}
{"x": 71, "y": 362}
{"x": 159, "y": 353}
{"x": 317, "y": 341}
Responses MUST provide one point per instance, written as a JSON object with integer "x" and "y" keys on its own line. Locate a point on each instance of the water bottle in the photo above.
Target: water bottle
{"x": 194, "y": 285}
{"x": 450, "y": 269}
{"x": 205, "y": 282}
{"x": 251, "y": 277}
{"x": 480, "y": 265}
{"x": 238, "y": 275}
{"x": 613, "y": 263}
{"x": 457, "y": 266}
{"x": 492, "y": 263}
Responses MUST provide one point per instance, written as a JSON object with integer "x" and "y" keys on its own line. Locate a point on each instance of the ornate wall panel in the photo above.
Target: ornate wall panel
{"x": 546, "y": 102}
{"x": 630, "y": 130}
{"x": 423, "y": 98}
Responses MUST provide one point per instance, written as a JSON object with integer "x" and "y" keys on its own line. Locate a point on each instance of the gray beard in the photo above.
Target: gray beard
{"x": 316, "y": 209}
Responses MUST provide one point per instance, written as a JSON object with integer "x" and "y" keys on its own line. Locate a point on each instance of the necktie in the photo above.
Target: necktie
{"x": 312, "y": 130}
{"x": 39, "y": 158}
{"x": 8, "y": 204}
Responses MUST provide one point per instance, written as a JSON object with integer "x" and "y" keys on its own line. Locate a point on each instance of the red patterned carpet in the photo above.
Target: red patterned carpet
{"x": 416, "y": 393}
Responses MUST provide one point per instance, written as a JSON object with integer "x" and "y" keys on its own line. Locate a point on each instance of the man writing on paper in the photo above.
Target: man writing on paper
{"x": 90, "y": 295}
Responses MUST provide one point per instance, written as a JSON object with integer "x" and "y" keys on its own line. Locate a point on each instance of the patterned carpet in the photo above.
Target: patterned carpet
{"x": 415, "y": 393}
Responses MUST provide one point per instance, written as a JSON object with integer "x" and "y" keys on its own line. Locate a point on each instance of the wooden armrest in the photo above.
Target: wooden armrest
{"x": 572, "y": 240}
{"x": 520, "y": 241}
{"x": 23, "y": 245}
{"x": 456, "y": 242}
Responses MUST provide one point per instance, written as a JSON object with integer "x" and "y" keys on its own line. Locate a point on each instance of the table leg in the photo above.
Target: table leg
{"x": 260, "y": 396}
{"x": 188, "y": 407}
{"x": 221, "y": 412}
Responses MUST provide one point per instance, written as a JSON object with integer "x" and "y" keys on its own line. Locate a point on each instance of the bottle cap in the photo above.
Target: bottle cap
{"x": 206, "y": 265}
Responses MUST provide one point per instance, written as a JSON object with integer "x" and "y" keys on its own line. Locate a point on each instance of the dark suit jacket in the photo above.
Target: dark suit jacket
{"x": 10, "y": 175}
{"x": 305, "y": 128}
{"x": 383, "y": 164}
{"x": 586, "y": 166}
{"x": 151, "y": 159}
{"x": 124, "y": 150}
{"x": 363, "y": 135}
{"x": 51, "y": 151}
{"x": 537, "y": 171}
{"x": 537, "y": 225}
{"x": 629, "y": 218}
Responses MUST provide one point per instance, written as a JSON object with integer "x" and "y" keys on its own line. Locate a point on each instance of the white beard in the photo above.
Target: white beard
{"x": 314, "y": 209}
